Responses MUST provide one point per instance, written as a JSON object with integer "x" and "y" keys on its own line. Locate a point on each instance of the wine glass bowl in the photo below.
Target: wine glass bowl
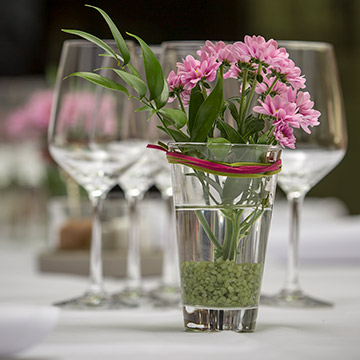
{"x": 316, "y": 154}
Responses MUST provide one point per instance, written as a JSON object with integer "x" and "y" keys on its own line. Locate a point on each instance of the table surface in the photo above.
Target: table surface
{"x": 150, "y": 333}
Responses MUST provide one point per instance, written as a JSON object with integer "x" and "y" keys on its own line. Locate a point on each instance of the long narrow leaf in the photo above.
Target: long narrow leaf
{"x": 177, "y": 116}
{"x": 177, "y": 135}
{"x": 144, "y": 108}
{"x": 196, "y": 99}
{"x": 208, "y": 112}
{"x": 162, "y": 100}
{"x": 137, "y": 84}
{"x": 134, "y": 71}
{"x": 153, "y": 70}
{"x": 233, "y": 110}
{"x": 95, "y": 40}
{"x": 101, "y": 81}
{"x": 124, "y": 51}
{"x": 228, "y": 132}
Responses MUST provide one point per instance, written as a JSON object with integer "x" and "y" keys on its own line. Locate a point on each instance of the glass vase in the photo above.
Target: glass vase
{"x": 222, "y": 229}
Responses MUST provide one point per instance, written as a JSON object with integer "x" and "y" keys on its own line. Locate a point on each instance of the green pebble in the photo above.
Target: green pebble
{"x": 221, "y": 283}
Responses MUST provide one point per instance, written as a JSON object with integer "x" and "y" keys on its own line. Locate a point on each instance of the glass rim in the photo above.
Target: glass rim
{"x": 304, "y": 45}
{"x": 261, "y": 146}
{"x": 180, "y": 44}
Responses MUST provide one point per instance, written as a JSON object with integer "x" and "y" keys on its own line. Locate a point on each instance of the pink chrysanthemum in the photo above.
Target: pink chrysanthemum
{"x": 192, "y": 70}
{"x": 284, "y": 134}
{"x": 222, "y": 52}
{"x": 293, "y": 74}
{"x": 174, "y": 81}
{"x": 260, "y": 49}
{"x": 281, "y": 109}
{"x": 309, "y": 116}
{"x": 278, "y": 88}
{"x": 175, "y": 85}
{"x": 241, "y": 52}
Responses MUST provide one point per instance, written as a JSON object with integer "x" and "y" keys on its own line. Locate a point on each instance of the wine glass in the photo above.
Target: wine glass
{"x": 316, "y": 154}
{"x": 167, "y": 293}
{"x": 86, "y": 139}
{"x": 135, "y": 182}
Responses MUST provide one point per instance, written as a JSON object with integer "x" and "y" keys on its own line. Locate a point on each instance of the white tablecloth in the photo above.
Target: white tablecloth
{"x": 158, "y": 334}
{"x": 148, "y": 333}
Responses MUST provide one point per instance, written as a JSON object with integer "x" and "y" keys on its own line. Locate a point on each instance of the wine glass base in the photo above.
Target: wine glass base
{"x": 165, "y": 296}
{"x": 88, "y": 301}
{"x": 293, "y": 299}
{"x": 130, "y": 297}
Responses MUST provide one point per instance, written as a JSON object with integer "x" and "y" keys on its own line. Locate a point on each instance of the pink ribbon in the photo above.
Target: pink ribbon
{"x": 243, "y": 170}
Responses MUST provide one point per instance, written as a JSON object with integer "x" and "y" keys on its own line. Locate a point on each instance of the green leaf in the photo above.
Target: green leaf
{"x": 253, "y": 125}
{"x": 196, "y": 99}
{"x": 153, "y": 70}
{"x": 152, "y": 113}
{"x": 124, "y": 51}
{"x": 134, "y": 71}
{"x": 206, "y": 85}
{"x": 177, "y": 116}
{"x": 206, "y": 179}
{"x": 219, "y": 147}
{"x": 264, "y": 139}
{"x": 233, "y": 109}
{"x": 235, "y": 98}
{"x": 228, "y": 132}
{"x": 95, "y": 40}
{"x": 137, "y": 84}
{"x": 234, "y": 187}
{"x": 162, "y": 100}
{"x": 144, "y": 108}
{"x": 101, "y": 81}
{"x": 177, "y": 135}
{"x": 259, "y": 78}
{"x": 208, "y": 113}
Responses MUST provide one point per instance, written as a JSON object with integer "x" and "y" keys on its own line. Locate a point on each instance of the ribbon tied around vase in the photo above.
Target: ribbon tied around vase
{"x": 237, "y": 169}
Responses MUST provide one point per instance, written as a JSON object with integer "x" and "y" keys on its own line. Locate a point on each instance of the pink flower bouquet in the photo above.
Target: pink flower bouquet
{"x": 268, "y": 105}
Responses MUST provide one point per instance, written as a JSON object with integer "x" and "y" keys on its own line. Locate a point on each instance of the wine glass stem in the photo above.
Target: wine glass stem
{"x": 133, "y": 261}
{"x": 96, "y": 267}
{"x": 296, "y": 200}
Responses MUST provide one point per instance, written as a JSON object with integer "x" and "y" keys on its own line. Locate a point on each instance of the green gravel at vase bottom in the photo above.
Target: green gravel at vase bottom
{"x": 220, "y": 283}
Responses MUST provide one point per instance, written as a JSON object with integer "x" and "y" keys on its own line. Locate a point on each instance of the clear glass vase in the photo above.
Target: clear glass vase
{"x": 222, "y": 229}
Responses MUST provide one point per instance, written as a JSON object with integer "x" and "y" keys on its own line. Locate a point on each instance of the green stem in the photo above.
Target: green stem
{"x": 181, "y": 103}
{"x": 252, "y": 219}
{"x": 236, "y": 236}
{"x": 203, "y": 89}
{"x": 205, "y": 185}
{"x": 271, "y": 86}
{"x": 252, "y": 92}
{"x": 207, "y": 229}
{"x": 242, "y": 99}
{"x": 228, "y": 238}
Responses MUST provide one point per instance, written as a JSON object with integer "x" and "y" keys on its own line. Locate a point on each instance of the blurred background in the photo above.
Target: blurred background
{"x": 31, "y": 41}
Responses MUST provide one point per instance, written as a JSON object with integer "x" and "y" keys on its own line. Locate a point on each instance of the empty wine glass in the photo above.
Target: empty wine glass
{"x": 86, "y": 138}
{"x": 316, "y": 154}
{"x": 167, "y": 293}
{"x": 135, "y": 183}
